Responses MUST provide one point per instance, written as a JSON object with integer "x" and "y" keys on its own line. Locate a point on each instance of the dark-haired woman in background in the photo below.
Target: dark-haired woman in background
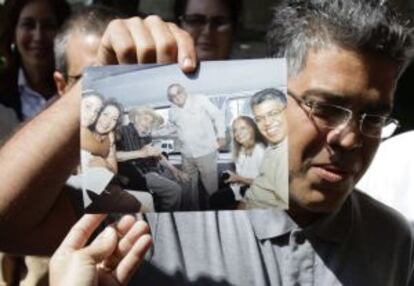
{"x": 26, "y": 42}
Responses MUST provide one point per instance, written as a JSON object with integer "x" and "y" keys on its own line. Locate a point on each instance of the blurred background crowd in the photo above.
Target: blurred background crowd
{"x": 247, "y": 34}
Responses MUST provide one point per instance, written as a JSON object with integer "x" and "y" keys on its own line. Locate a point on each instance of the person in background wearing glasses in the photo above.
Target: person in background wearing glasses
{"x": 211, "y": 23}
{"x": 270, "y": 187}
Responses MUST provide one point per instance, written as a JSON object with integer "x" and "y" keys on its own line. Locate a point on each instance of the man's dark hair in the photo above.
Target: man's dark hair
{"x": 91, "y": 20}
{"x": 234, "y": 7}
{"x": 365, "y": 25}
{"x": 268, "y": 94}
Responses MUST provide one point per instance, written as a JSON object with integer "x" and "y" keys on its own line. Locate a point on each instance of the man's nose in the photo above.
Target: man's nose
{"x": 347, "y": 135}
{"x": 207, "y": 28}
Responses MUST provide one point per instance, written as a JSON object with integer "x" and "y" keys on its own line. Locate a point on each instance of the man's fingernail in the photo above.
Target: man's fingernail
{"x": 188, "y": 63}
{"x": 107, "y": 232}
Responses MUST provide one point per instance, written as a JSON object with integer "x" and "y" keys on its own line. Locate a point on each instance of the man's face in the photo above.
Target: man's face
{"x": 143, "y": 124}
{"x": 270, "y": 119}
{"x": 178, "y": 96}
{"x": 325, "y": 164}
{"x": 90, "y": 107}
{"x": 81, "y": 52}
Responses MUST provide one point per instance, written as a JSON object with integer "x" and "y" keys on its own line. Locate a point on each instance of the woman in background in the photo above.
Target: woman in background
{"x": 26, "y": 43}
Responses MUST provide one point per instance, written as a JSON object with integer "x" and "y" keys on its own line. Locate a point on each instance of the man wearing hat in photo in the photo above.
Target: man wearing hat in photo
{"x": 138, "y": 159}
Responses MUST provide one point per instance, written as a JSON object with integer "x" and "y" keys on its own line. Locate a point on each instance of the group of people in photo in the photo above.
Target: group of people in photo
{"x": 119, "y": 153}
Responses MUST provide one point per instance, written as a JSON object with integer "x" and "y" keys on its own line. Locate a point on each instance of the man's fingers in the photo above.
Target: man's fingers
{"x": 165, "y": 43}
{"x": 133, "y": 259}
{"x": 103, "y": 246}
{"x": 144, "y": 43}
{"x": 127, "y": 242}
{"x": 117, "y": 45}
{"x": 81, "y": 232}
{"x": 186, "y": 49}
{"x": 124, "y": 225}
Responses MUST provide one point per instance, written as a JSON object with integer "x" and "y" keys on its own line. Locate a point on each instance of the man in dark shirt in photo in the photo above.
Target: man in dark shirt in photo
{"x": 139, "y": 160}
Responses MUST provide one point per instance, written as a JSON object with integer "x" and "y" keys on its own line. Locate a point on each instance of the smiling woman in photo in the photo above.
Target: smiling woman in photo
{"x": 248, "y": 149}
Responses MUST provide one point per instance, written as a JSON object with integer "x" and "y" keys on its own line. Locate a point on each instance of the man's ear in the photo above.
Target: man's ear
{"x": 60, "y": 83}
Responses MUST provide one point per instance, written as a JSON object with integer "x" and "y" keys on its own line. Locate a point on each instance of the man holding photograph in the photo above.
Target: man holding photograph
{"x": 201, "y": 131}
{"x": 344, "y": 58}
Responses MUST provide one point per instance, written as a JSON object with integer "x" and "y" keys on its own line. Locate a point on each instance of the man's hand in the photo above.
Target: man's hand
{"x": 234, "y": 178}
{"x": 110, "y": 259}
{"x": 150, "y": 40}
{"x": 181, "y": 176}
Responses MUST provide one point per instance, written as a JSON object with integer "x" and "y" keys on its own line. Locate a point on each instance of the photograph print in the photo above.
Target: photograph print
{"x": 154, "y": 139}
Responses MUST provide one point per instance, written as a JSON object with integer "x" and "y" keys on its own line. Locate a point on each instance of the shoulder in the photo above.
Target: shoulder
{"x": 259, "y": 150}
{"x": 129, "y": 128}
{"x": 382, "y": 236}
{"x": 259, "y": 147}
{"x": 375, "y": 217}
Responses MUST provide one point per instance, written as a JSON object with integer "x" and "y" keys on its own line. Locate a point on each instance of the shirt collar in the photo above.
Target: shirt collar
{"x": 272, "y": 223}
{"x": 21, "y": 79}
{"x": 280, "y": 144}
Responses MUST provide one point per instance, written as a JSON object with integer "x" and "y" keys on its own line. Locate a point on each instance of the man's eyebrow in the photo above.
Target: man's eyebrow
{"x": 331, "y": 96}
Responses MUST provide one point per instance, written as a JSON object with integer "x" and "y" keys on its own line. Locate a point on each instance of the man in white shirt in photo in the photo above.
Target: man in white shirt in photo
{"x": 201, "y": 131}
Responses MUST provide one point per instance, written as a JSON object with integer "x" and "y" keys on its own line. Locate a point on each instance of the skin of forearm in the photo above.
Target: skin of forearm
{"x": 122, "y": 156}
{"x": 35, "y": 163}
{"x": 244, "y": 180}
{"x": 112, "y": 160}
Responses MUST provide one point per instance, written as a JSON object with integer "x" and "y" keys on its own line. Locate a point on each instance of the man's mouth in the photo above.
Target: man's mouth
{"x": 331, "y": 173}
{"x": 273, "y": 130}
